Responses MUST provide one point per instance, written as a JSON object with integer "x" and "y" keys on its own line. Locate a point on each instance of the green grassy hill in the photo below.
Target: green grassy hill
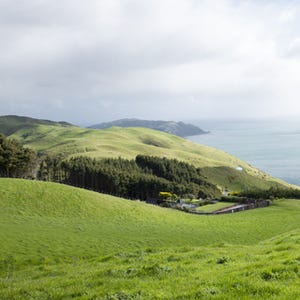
{"x": 11, "y": 124}
{"x": 62, "y": 242}
{"x": 61, "y": 138}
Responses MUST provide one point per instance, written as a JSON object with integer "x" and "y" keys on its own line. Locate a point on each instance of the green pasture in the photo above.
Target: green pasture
{"x": 214, "y": 207}
{"x": 60, "y": 242}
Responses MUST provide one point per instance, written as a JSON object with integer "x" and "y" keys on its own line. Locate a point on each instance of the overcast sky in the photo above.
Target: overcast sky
{"x": 97, "y": 60}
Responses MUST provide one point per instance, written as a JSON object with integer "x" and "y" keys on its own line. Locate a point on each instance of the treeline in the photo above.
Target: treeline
{"x": 15, "y": 160}
{"x": 272, "y": 193}
{"x": 141, "y": 178}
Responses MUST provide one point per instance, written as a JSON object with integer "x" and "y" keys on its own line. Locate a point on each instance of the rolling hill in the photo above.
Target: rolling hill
{"x": 61, "y": 138}
{"x": 11, "y": 123}
{"x": 176, "y": 128}
{"x": 63, "y": 242}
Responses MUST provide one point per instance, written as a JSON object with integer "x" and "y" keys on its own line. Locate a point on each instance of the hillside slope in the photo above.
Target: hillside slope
{"x": 63, "y": 242}
{"x": 114, "y": 222}
{"x": 11, "y": 123}
{"x": 108, "y": 222}
{"x": 67, "y": 140}
{"x": 176, "y": 128}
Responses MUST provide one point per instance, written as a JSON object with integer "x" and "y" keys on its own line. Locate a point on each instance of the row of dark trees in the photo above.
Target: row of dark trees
{"x": 272, "y": 193}
{"x": 141, "y": 178}
{"x": 16, "y": 160}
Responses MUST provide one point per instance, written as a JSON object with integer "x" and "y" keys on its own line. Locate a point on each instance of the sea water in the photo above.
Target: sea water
{"x": 272, "y": 146}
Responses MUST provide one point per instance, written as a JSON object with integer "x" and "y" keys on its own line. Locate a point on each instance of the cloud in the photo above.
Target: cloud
{"x": 174, "y": 59}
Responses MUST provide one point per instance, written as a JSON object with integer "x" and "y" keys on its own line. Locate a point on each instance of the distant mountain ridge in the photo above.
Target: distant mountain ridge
{"x": 177, "y": 128}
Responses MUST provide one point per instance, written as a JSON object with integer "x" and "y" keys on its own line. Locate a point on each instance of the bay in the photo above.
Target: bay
{"x": 272, "y": 146}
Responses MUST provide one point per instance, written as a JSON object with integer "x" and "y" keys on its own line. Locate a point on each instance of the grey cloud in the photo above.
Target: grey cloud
{"x": 153, "y": 59}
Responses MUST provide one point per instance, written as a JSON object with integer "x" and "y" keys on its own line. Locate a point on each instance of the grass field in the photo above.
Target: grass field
{"x": 124, "y": 142}
{"x": 214, "y": 207}
{"x": 60, "y": 242}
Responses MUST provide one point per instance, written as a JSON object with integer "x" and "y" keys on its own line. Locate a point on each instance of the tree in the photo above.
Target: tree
{"x": 16, "y": 160}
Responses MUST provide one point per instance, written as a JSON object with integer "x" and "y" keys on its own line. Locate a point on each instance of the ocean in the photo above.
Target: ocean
{"x": 272, "y": 146}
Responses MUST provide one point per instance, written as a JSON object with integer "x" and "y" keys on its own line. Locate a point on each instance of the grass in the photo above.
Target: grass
{"x": 60, "y": 242}
{"x": 214, "y": 207}
{"x": 183, "y": 273}
{"x": 11, "y": 124}
{"x": 237, "y": 180}
{"x": 124, "y": 142}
